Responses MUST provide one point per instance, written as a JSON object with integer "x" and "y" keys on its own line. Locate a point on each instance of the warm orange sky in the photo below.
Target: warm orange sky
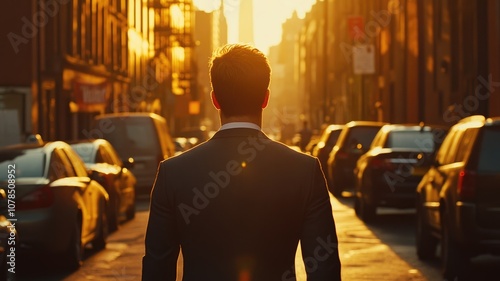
{"x": 268, "y": 17}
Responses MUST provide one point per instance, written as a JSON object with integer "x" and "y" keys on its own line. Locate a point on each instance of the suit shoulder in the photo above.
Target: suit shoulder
{"x": 294, "y": 152}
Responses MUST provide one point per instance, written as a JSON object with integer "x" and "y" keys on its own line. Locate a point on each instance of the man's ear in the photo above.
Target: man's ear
{"x": 266, "y": 99}
{"x": 214, "y": 100}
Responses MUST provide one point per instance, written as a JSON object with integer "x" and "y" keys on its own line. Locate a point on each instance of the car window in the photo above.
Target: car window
{"x": 489, "y": 150}
{"x": 464, "y": 148}
{"x": 411, "y": 139}
{"x": 28, "y": 163}
{"x": 454, "y": 145}
{"x": 443, "y": 150}
{"x": 76, "y": 163}
{"x": 85, "y": 151}
{"x": 378, "y": 139}
{"x": 333, "y": 137}
{"x": 59, "y": 166}
{"x": 104, "y": 156}
{"x": 361, "y": 135}
{"x": 115, "y": 160}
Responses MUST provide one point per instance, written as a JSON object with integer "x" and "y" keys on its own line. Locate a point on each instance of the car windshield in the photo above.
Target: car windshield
{"x": 85, "y": 150}
{"x": 29, "y": 163}
{"x": 411, "y": 140}
{"x": 489, "y": 151}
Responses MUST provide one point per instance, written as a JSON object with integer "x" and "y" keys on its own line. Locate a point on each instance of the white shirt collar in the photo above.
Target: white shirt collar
{"x": 234, "y": 125}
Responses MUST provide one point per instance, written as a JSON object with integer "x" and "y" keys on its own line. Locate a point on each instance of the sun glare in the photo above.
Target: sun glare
{"x": 269, "y": 15}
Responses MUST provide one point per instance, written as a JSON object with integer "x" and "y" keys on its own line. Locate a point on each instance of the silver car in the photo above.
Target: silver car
{"x": 58, "y": 208}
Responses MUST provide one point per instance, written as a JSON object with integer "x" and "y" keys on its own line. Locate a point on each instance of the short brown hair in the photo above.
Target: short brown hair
{"x": 240, "y": 75}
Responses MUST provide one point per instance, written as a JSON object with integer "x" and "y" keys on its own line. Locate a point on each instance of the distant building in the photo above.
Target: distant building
{"x": 435, "y": 61}
{"x": 246, "y": 34}
{"x": 210, "y": 33}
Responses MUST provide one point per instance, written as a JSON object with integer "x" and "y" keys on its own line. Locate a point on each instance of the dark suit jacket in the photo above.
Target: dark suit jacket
{"x": 237, "y": 205}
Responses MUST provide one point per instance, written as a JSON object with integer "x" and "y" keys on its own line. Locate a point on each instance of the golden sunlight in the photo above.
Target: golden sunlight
{"x": 267, "y": 20}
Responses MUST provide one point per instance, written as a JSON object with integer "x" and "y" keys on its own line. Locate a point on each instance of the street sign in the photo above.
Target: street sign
{"x": 363, "y": 58}
{"x": 355, "y": 25}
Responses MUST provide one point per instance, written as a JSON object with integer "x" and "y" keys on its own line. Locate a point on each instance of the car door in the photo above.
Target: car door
{"x": 433, "y": 181}
{"x": 88, "y": 193}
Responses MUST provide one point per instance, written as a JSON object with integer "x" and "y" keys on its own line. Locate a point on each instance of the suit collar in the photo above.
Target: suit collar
{"x": 233, "y": 125}
{"x": 238, "y": 132}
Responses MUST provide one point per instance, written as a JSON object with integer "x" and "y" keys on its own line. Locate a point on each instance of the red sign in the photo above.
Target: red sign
{"x": 90, "y": 94}
{"x": 356, "y": 27}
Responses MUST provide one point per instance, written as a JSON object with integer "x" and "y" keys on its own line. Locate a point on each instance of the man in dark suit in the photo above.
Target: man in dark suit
{"x": 238, "y": 204}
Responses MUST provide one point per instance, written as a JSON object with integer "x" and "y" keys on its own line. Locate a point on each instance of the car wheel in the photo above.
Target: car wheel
{"x": 367, "y": 211}
{"x": 99, "y": 242}
{"x": 73, "y": 258}
{"x": 426, "y": 243}
{"x": 453, "y": 259}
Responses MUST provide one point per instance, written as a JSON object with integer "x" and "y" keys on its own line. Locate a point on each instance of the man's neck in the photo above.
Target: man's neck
{"x": 247, "y": 118}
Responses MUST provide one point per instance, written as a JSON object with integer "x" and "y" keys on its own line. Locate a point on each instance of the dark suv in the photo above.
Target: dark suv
{"x": 354, "y": 140}
{"x": 458, "y": 199}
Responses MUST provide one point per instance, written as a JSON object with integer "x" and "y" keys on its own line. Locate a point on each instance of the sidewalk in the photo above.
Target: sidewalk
{"x": 363, "y": 255}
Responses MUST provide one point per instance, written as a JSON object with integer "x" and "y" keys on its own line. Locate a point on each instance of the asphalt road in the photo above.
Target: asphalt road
{"x": 383, "y": 250}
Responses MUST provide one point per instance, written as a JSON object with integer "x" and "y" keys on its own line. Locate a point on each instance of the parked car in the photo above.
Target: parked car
{"x": 354, "y": 140}
{"x": 145, "y": 137}
{"x": 114, "y": 175}
{"x": 388, "y": 174}
{"x": 326, "y": 142}
{"x": 458, "y": 199}
{"x": 59, "y": 208}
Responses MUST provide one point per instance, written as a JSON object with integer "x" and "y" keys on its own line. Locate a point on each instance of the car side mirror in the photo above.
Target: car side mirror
{"x": 129, "y": 163}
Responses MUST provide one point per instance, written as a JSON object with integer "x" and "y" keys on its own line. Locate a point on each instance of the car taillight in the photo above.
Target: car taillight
{"x": 382, "y": 164}
{"x": 43, "y": 197}
{"x": 466, "y": 188}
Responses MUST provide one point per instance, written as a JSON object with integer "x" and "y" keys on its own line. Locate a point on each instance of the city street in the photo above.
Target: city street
{"x": 382, "y": 251}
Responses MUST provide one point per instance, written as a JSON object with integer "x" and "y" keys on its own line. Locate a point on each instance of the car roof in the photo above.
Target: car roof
{"x": 332, "y": 127}
{"x": 409, "y": 127}
{"x": 365, "y": 123}
{"x": 476, "y": 121}
{"x": 46, "y": 146}
{"x": 90, "y": 141}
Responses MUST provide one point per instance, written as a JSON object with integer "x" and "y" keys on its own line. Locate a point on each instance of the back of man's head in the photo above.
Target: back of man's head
{"x": 240, "y": 75}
